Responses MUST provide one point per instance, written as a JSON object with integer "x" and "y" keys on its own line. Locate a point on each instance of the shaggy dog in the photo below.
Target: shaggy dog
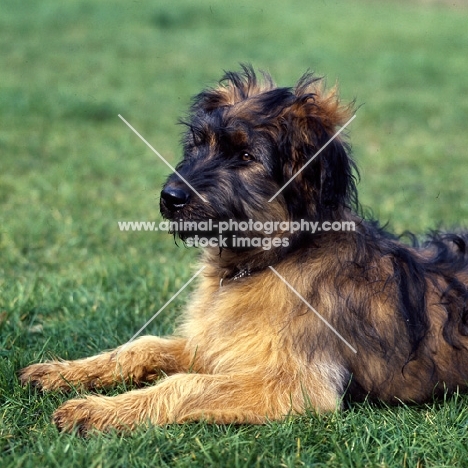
{"x": 288, "y": 319}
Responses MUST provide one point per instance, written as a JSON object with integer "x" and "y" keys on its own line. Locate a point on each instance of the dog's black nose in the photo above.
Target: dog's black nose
{"x": 174, "y": 198}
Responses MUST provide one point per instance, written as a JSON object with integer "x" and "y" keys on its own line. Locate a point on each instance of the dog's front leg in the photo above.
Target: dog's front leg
{"x": 221, "y": 399}
{"x": 142, "y": 360}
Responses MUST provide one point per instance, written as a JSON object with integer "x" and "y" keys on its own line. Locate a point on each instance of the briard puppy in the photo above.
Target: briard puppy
{"x": 289, "y": 319}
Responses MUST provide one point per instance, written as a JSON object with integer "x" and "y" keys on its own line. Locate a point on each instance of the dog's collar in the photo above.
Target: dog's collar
{"x": 240, "y": 274}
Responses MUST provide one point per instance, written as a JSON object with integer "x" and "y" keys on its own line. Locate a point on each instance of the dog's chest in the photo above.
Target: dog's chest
{"x": 238, "y": 325}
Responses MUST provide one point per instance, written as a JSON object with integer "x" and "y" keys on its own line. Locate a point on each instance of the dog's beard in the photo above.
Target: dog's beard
{"x": 236, "y": 240}
{"x": 195, "y": 231}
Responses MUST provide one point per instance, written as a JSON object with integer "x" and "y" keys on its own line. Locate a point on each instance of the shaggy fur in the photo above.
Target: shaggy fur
{"x": 249, "y": 349}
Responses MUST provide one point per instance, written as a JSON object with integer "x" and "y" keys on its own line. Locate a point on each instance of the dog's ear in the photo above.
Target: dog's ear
{"x": 325, "y": 184}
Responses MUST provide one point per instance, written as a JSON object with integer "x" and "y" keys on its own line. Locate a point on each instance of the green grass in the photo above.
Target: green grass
{"x": 72, "y": 285}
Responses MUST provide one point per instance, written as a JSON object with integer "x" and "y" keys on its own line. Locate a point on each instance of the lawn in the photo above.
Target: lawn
{"x": 72, "y": 284}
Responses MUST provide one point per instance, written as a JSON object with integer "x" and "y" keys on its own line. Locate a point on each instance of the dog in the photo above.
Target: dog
{"x": 303, "y": 321}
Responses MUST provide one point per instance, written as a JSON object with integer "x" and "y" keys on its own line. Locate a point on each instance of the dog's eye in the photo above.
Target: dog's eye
{"x": 245, "y": 156}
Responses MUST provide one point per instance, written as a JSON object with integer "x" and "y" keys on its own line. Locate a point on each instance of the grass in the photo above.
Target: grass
{"x": 72, "y": 285}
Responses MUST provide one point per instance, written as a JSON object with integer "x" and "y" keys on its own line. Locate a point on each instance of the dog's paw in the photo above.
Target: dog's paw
{"x": 94, "y": 413}
{"x": 75, "y": 415}
{"x": 46, "y": 376}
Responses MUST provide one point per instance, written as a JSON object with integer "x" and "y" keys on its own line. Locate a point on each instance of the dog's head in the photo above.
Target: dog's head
{"x": 246, "y": 139}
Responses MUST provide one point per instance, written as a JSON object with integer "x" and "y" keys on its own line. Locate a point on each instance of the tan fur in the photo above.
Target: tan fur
{"x": 245, "y": 366}
{"x": 248, "y": 349}
{"x": 236, "y": 358}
